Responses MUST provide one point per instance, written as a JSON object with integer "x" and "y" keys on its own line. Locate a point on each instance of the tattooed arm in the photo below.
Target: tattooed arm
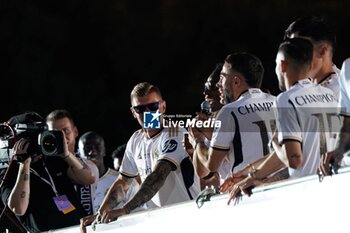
{"x": 150, "y": 186}
{"x": 148, "y": 189}
{"x": 113, "y": 197}
{"x": 19, "y": 197}
{"x": 116, "y": 193}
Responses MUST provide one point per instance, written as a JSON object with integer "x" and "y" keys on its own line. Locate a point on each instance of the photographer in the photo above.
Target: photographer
{"x": 62, "y": 120}
{"x": 38, "y": 189}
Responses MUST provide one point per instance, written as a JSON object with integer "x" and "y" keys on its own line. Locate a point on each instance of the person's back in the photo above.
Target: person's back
{"x": 339, "y": 156}
{"x": 344, "y": 101}
{"x": 249, "y": 121}
{"x": 315, "y": 108}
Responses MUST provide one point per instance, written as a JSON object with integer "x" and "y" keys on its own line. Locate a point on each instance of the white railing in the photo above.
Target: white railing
{"x": 300, "y": 205}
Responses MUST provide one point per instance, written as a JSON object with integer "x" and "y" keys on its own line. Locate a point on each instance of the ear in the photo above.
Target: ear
{"x": 163, "y": 106}
{"x": 284, "y": 65}
{"x": 236, "y": 80}
{"x": 133, "y": 112}
{"x": 323, "y": 49}
{"x": 75, "y": 131}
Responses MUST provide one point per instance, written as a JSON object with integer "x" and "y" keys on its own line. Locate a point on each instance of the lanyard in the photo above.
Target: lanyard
{"x": 51, "y": 183}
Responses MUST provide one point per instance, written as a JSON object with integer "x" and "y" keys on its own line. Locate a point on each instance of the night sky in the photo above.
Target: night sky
{"x": 76, "y": 54}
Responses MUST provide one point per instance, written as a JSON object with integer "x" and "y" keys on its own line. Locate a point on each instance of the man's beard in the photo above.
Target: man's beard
{"x": 228, "y": 95}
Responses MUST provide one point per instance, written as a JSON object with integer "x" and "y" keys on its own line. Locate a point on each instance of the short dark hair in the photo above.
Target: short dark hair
{"x": 249, "y": 66}
{"x": 119, "y": 152}
{"x": 59, "y": 114}
{"x": 299, "y": 50}
{"x": 314, "y": 27}
{"x": 91, "y": 134}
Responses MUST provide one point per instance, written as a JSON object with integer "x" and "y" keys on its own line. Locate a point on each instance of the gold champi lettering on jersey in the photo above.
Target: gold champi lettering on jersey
{"x": 255, "y": 107}
{"x": 314, "y": 98}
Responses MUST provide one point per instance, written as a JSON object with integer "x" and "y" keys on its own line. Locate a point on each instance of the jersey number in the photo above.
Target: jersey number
{"x": 264, "y": 133}
{"x": 323, "y": 128}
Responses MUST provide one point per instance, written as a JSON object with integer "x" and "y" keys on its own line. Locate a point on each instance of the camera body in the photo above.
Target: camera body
{"x": 42, "y": 141}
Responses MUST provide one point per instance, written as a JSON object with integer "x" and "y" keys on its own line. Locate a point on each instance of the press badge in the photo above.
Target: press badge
{"x": 63, "y": 204}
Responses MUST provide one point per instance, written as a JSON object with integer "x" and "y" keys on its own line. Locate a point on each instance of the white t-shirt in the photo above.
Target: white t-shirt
{"x": 142, "y": 154}
{"x": 344, "y": 100}
{"x": 344, "y": 97}
{"x": 103, "y": 185}
{"x": 332, "y": 81}
{"x": 307, "y": 113}
{"x": 246, "y": 129}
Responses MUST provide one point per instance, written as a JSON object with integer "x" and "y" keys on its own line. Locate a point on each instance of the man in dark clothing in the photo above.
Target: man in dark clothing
{"x": 39, "y": 189}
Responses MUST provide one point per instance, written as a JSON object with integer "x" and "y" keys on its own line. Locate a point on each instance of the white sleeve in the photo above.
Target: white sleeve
{"x": 171, "y": 146}
{"x": 223, "y": 136}
{"x": 344, "y": 100}
{"x": 128, "y": 166}
{"x": 287, "y": 120}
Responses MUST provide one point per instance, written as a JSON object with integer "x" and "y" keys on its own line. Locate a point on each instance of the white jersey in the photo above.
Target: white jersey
{"x": 143, "y": 153}
{"x": 332, "y": 81}
{"x": 344, "y": 98}
{"x": 307, "y": 113}
{"x": 103, "y": 185}
{"x": 246, "y": 129}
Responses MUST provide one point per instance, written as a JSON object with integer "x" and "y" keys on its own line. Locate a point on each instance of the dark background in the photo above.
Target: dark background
{"x": 85, "y": 56}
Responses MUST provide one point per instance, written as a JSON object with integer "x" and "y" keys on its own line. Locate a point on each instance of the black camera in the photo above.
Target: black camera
{"x": 51, "y": 143}
{"x": 46, "y": 142}
{"x": 35, "y": 130}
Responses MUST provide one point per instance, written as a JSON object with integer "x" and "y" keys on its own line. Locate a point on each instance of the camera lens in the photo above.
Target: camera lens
{"x": 49, "y": 143}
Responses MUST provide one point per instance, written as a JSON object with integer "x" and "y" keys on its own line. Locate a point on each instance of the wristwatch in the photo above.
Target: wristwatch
{"x": 253, "y": 172}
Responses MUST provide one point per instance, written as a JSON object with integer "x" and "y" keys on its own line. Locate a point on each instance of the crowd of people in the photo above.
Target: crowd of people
{"x": 261, "y": 138}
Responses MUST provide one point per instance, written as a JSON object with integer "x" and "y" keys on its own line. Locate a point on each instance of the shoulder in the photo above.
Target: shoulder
{"x": 345, "y": 69}
{"x": 269, "y": 96}
{"x": 225, "y": 111}
{"x": 136, "y": 136}
{"x": 283, "y": 98}
{"x": 137, "y": 133}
